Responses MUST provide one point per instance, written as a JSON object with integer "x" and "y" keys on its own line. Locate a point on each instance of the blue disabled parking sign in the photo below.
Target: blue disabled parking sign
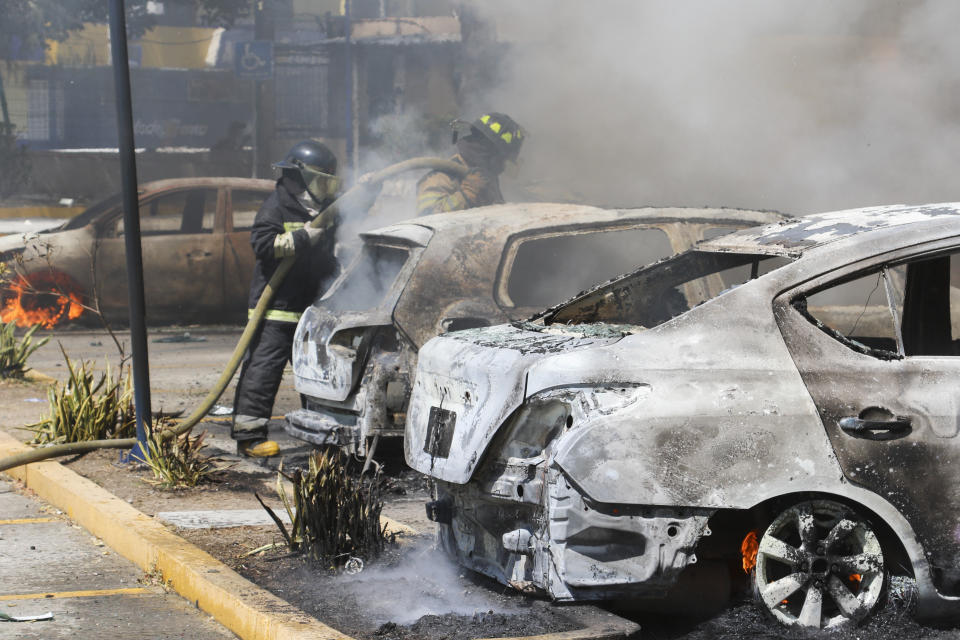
{"x": 253, "y": 59}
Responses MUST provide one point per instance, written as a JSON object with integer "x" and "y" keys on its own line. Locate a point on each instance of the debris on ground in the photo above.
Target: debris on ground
{"x": 186, "y": 337}
{"x": 8, "y": 618}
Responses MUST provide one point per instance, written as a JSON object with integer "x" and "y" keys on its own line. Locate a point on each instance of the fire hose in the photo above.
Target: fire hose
{"x": 325, "y": 219}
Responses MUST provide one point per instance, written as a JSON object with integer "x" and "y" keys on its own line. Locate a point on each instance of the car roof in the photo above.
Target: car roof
{"x": 507, "y": 219}
{"x": 795, "y": 236}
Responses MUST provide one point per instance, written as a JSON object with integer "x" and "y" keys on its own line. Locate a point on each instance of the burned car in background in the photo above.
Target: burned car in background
{"x": 197, "y": 259}
{"x": 355, "y": 349}
{"x": 785, "y": 398}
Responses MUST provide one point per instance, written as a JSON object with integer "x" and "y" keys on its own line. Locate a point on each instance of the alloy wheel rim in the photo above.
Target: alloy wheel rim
{"x": 819, "y": 565}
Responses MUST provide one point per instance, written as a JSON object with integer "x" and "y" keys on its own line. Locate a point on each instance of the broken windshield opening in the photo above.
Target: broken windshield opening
{"x": 368, "y": 279}
{"x": 661, "y": 291}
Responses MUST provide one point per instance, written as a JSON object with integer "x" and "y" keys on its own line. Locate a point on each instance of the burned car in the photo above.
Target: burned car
{"x": 355, "y": 349}
{"x": 197, "y": 259}
{"x": 777, "y": 398}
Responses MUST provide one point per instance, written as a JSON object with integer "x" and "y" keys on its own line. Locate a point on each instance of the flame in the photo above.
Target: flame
{"x": 45, "y": 298}
{"x": 749, "y": 548}
{"x": 855, "y": 577}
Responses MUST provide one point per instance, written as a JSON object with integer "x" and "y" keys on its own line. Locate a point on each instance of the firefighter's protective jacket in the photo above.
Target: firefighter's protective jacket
{"x": 438, "y": 192}
{"x": 277, "y": 233}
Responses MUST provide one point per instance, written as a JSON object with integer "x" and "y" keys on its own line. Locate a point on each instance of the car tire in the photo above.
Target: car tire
{"x": 820, "y": 565}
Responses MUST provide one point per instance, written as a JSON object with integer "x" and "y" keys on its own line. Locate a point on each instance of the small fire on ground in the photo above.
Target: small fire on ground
{"x": 749, "y": 548}
{"x": 46, "y": 299}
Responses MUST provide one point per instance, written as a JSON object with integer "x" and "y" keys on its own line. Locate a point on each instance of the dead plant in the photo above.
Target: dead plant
{"x": 83, "y": 410}
{"x": 13, "y": 352}
{"x": 334, "y": 515}
{"x": 176, "y": 462}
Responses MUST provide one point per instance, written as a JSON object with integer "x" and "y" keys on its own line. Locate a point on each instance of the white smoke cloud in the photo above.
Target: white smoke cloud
{"x": 797, "y": 105}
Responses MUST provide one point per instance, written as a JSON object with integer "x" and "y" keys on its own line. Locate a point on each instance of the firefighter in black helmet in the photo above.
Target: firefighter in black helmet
{"x": 308, "y": 183}
{"x": 485, "y": 145}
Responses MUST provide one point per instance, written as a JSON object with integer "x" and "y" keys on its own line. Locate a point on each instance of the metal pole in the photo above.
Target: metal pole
{"x": 7, "y": 128}
{"x": 348, "y": 62}
{"x": 255, "y": 101}
{"x": 131, "y": 225}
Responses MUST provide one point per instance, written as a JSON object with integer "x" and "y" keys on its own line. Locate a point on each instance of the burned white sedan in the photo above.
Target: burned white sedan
{"x": 786, "y": 398}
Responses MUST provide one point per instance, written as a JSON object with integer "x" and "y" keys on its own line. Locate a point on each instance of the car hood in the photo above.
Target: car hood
{"x": 469, "y": 382}
{"x": 12, "y": 242}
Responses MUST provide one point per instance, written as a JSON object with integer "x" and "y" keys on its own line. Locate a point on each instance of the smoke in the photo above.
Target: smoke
{"x": 423, "y": 582}
{"x": 797, "y": 105}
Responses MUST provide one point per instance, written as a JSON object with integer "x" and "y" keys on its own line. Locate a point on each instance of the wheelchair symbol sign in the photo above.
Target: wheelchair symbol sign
{"x": 253, "y": 59}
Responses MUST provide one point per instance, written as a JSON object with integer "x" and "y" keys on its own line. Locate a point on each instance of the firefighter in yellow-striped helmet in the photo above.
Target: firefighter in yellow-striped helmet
{"x": 485, "y": 145}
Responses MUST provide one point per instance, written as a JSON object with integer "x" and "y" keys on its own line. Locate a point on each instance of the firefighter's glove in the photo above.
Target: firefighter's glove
{"x": 475, "y": 183}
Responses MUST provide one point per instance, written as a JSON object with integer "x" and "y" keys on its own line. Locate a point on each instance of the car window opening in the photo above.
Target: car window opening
{"x": 368, "y": 279}
{"x": 661, "y": 291}
{"x": 548, "y": 270}
{"x": 910, "y": 309}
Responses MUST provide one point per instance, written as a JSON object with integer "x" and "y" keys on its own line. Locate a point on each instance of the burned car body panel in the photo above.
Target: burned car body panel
{"x": 601, "y": 465}
{"x": 196, "y": 254}
{"x": 464, "y": 269}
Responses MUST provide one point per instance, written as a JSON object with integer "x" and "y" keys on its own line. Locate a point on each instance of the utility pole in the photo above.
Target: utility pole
{"x": 264, "y": 109}
{"x": 349, "y": 78}
{"x": 131, "y": 225}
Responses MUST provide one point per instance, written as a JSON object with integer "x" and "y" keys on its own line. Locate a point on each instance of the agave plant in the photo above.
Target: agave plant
{"x": 334, "y": 515}
{"x": 13, "y": 352}
{"x": 176, "y": 462}
{"x": 84, "y": 409}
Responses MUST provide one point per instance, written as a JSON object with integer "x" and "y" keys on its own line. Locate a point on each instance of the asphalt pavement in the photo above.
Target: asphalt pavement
{"x": 49, "y": 565}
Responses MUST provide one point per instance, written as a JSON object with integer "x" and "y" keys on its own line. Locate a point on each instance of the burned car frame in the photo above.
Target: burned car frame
{"x": 197, "y": 259}
{"x": 355, "y": 349}
{"x": 777, "y": 398}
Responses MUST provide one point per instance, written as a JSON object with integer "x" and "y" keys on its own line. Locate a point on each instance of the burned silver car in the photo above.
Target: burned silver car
{"x": 782, "y": 398}
{"x": 355, "y": 349}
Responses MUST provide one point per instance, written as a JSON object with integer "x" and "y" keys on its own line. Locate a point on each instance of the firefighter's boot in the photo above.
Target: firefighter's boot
{"x": 257, "y": 448}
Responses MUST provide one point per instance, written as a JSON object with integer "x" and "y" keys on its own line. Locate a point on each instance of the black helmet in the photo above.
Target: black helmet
{"x": 499, "y": 128}
{"x": 316, "y": 165}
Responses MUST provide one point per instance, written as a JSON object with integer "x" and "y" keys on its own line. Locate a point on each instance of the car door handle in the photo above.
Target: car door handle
{"x": 896, "y": 427}
{"x": 199, "y": 254}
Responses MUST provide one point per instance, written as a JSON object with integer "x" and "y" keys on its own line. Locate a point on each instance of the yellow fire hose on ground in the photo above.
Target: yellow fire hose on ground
{"x": 325, "y": 218}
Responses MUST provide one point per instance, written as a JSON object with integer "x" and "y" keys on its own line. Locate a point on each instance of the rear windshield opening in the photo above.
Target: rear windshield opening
{"x": 659, "y": 292}
{"x": 368, "y": 279}
{"x": 549, "y": 270}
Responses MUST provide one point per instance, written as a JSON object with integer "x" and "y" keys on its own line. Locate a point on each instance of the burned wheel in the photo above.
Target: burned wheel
{"x": 819, "y": 565}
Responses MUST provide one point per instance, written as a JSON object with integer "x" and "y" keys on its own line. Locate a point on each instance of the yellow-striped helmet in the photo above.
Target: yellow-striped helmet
{"x": 499, "y": 128}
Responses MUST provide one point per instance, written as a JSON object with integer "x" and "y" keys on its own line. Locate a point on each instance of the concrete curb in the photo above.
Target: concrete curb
{"x": 236, "y": 603}
{"x": 239, "y": 605}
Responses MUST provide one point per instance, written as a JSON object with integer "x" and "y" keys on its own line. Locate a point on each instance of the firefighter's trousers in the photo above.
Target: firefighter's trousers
{"x": 260, "y": 377}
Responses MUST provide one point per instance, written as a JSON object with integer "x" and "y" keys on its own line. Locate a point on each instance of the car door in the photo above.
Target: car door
{"x": 238, "y": 258}
{"x": 545, "y": 268}
{"x": 182, "y": 242}
{"x": 877, "y": 348}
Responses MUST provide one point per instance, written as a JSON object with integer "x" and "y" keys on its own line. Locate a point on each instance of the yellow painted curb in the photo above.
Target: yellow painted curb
{"x": 241, "y": 606}
{"x": 40, "y": 212}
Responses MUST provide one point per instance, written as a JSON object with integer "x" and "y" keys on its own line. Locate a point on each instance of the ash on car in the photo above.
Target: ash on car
{"x": 778, "y": 403}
